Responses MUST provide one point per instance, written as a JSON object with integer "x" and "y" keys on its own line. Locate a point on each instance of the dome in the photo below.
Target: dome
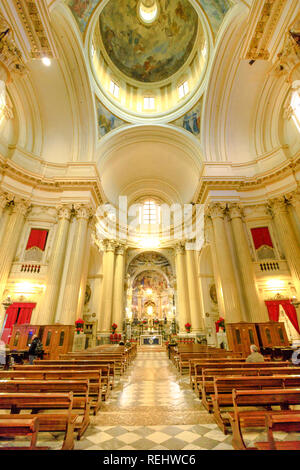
{"x": 149, "y": 40}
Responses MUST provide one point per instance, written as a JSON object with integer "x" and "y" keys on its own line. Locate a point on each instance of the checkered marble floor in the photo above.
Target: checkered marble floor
{"x": 153, "y": 408}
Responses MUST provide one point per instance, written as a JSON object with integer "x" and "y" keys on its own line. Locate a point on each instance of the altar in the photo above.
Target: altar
{"x": 151, "y": 340}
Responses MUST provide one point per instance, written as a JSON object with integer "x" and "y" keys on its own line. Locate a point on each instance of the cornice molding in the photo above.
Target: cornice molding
{"x": 243, "y": 183}
{"x": 53, "y": 184}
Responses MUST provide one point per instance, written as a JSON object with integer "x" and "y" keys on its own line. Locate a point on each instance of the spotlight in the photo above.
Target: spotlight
{"x": 46, "y": 61}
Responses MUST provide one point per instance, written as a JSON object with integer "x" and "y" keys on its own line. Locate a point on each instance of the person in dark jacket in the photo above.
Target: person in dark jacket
{"x": 34, "y": 349}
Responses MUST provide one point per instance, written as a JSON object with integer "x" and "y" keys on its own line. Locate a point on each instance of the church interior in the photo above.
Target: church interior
{"x": 150, "y": 225}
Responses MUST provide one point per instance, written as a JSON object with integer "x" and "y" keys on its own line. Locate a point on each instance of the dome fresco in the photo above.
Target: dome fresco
{"x": 148, "y": 53}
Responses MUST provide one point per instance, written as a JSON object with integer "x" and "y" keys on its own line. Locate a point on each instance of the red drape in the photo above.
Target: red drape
{"x": 261, "y": 236}
{"x": 37, "y": 238}
{"x": 25, "y": 313}
{"x": 291, "y": 313}
{"x": 273, "y": 309}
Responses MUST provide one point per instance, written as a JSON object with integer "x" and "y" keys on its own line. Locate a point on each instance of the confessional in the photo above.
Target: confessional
{"x": 56, "y": 339}
{"x": 264, "y": 335}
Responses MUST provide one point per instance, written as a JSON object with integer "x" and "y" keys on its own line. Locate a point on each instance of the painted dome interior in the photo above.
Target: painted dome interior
{"x": 148, "y": 52}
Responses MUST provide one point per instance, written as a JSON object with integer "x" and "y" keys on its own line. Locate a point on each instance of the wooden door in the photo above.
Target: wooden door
{"x": 273, "y": 334}
{"x": 241, "y": 336}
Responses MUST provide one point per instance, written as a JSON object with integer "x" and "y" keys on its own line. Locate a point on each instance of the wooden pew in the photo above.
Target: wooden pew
{"x": 107, "y": 368}
{"x": 94, "y": 377}
{"x": 228, "y": 363}
{"x": 256, "y": 418}
{"x": 52, "y": 422}
{"x": 195, "y": 366}
{"x": 119, "y": 360}
{"x": 205, "y": 387}
{"x": 184, "y": 358}
{"x": 11, "y": 426}
{"x": 80, "y": 390}
{"x": 224, "y": 386}
{"x": 282, "y": 421}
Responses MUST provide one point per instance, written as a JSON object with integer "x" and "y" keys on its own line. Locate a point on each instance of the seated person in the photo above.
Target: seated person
{"x": 255, "y": 356}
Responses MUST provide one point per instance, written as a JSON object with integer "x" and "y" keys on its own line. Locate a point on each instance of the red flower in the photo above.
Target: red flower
{"x": 187, "y": 326}
{"x": 114, "y": 326}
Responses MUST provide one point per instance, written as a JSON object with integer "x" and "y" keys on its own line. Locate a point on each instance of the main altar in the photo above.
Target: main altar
{"x": 151, "y": 340}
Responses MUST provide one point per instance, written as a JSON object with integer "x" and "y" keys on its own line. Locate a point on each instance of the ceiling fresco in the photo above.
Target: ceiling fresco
{"x": 149, "y": 53}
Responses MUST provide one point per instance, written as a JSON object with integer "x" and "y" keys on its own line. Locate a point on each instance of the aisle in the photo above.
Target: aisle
{"x": 152, "y": 407}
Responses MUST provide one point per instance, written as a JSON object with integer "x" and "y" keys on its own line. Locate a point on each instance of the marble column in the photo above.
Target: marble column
{"x": 3, "y": 215}
{"x": 105, "y": 320}
{"x": 255, "y": 310}
{"x": 294, "y": 200}
{"x": 3, "y": 204}
{"x": 193, "y": 290}
{"x": 288, "y": 239}
{"x": 232, "y": 305}
{"x": 72, "y": 286}
{"x": 55, "y": 268}
{"x": 182, "y": 291}
{"x": 11, "y": 237}
{"x": 118, "y": 304}
{"x": 210, "y": 236}
{"x": 85, "y": 268}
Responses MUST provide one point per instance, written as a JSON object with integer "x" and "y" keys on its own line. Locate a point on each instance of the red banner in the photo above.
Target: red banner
{"x": 261, "y": 236}
{"x": 37, "y": 238}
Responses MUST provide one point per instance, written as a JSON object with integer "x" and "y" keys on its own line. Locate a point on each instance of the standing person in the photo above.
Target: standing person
{"x": 255, "y": 356}
{"x": 35, "y": 349}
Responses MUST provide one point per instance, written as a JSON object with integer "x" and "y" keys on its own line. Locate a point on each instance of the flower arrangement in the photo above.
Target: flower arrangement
{"x": 114, "y": 326}
{"x": 156, "y": 322}
{"x": 79, "y": 325}
{"x": 188, "y": 327}
{"x": 144, "y": 322}
{"x": 220, "y": 324}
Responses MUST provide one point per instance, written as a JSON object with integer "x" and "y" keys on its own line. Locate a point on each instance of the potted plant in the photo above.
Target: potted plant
{"x": 220, "y": 324}
{"x": 79, "y": 325}
{"x": 188, "y": 327}
{"x": 114, "y": 326}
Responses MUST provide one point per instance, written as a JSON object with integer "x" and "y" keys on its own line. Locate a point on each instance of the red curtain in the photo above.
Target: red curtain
{"x": 291, "y": 313}
{"x": 37, "y": 238}
{"x": 25, "y": 312}
{"x": 273, "y": 309}
{"x": 12, "y": 313}
{"x": 261, "y": 236}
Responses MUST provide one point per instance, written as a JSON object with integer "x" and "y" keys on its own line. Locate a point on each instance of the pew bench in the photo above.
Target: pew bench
{"x": 52, "y": 422}
{"x": 94, "y": 377}
{"x": 79, "y": 389}
{"x": 283, "y": 421}
{"x": 195, "y": 366}
{"x": 119, "y": 360}
{"x": 224, "y": 386}
{"x": 11, "y": 426}
{"x": 205, "y": 385}
{"x": 239, "y": 418}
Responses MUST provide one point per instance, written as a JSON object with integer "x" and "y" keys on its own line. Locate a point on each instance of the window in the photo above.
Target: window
{"x": 183, "y": 89}
{"x": 295, "y": 105}
{"x": 149, "y": 102}
{"x": 150, "y": 213}
{"x": 114, "y": 89}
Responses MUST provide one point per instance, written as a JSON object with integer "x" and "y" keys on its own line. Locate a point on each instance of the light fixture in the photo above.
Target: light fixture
{"x": 46, "y": 61}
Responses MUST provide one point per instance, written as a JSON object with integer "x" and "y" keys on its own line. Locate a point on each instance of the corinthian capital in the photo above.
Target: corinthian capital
{"x": 294, "y": 198}
{"x": 21, "y": 206}
{"x": 217, "y": 210}
{"x": 235, "y": 211}
{"x": 83, "y": 212}
{"x": 278, "y": 205}
{"x": 63, "y": 211}
{"x": 3, "y": 201}
{"x": 108, "y": 245}
{"x": 120, "y": 250}
{"x": 179, "y": 248}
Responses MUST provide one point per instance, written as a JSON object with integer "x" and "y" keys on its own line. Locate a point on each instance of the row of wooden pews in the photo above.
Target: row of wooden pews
{"x": 60, "y": 395}
{"x": 243, "y": 395}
